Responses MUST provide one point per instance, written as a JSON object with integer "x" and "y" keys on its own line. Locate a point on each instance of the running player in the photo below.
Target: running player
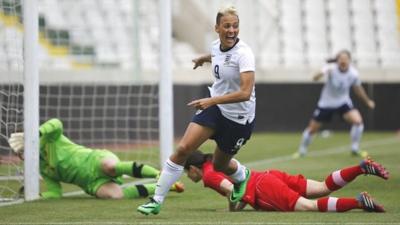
{"x": 97, "y": 172}
{"x": 335, "y": 98}
{"x": 274, "y": 190}
{"x": 227, "y": 116}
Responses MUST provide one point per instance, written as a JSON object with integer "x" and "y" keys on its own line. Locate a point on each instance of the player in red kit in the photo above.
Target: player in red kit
{"x": 274, "y": 190}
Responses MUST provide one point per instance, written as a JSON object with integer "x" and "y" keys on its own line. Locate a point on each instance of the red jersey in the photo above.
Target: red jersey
{"x": 249, "y": 196}
{"x": 213, "y": 179}
{"x": 270, "y": 190}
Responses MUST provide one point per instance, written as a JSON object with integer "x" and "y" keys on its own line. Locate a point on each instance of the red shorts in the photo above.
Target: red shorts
{"x": 279, "y": 191}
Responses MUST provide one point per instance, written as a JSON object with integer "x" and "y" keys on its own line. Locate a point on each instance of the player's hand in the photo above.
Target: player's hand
{"x": 16, "y": 142}
{"x": 198, "y": 62}
{"x": 371, "y": 104}
{"x": 202, "y": 103}
{"x": 318, "y": 76}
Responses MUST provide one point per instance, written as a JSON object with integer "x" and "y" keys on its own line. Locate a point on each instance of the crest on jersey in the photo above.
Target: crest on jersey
{"x": 227, "y": 59}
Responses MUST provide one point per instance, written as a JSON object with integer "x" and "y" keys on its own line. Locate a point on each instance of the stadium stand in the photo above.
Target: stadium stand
{"x": 91, "y": 33}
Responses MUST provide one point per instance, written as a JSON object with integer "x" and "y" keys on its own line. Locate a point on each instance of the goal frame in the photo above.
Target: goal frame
{"x": 31, "y": 100}
{"x": 31, "y": 93}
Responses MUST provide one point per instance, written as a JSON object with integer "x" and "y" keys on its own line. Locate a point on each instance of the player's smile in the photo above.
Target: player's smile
{"x": 231, "y": 39}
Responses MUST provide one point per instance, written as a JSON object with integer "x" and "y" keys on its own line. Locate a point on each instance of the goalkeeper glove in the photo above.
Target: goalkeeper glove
{"x": 16, "y": 142}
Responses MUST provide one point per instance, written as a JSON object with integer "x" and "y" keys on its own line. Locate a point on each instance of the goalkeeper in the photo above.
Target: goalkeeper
{"x": 97, "y": 172}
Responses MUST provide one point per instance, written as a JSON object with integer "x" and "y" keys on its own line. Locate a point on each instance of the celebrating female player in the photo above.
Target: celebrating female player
{"x": 274, "y": 190}
{"x": 227, "y": 116}
{"x": 335, "y": 98}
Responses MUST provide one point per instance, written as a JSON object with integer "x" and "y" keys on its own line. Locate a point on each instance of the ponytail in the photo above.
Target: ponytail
{"x": 334, "y": 60}
{"x": 197, "y": 159}
{"x": 331, "y": 60}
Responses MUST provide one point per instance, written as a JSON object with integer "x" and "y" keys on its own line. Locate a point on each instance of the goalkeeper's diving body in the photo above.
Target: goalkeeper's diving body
{"x": 98, "y": 172}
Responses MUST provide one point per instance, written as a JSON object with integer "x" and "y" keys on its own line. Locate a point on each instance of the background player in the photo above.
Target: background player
{"x": 97, "y": 172}
{"x": 274, "y": 190}
{"x": 335, "y": 98}
{"x": 227, "y": 116}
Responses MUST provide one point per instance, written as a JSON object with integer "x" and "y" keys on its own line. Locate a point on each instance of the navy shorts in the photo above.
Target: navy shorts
{"x": 229, "y": 135}
{"x": 326, "y": 114}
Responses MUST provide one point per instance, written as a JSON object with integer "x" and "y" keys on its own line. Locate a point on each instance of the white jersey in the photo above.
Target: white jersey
{"x": 336, "y": 90}
{"x": 227, "y": 66}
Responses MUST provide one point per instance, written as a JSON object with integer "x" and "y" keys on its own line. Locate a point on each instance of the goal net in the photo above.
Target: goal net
{"x": 11, "y": 97}
{"x": 98, "y": 74}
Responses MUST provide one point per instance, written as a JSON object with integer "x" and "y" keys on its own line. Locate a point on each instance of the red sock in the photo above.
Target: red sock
{"x": 332, "y": 204}
{"x": 340, "y": 178}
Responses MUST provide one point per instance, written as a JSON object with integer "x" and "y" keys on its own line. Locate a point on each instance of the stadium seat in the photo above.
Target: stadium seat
{"x": 297, "y": 32}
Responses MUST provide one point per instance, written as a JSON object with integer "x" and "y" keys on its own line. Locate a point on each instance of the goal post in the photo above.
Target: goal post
{"x": 166, "y": 91}
{"x": 31, "y": 100}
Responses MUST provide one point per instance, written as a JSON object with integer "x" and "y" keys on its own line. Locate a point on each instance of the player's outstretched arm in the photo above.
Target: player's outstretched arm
{"x": 227, "y": 187}
{"x": 16, "y": 142}
{"x": 201, "y": 60}
{"x": 243, "y": 94}
{"x": 247, "y": 80}
{"x": 318, "y": 76}
{"x": 360, "y": 92}
{"x": 51, "y": 130}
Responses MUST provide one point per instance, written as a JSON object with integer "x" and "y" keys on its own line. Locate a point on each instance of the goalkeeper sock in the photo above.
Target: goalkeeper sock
{"x": 136, "y": 170}
{"x": 305, "y": 142}
{"x": 340, "y": 178}
{"x": 332, "y": 204}
{"x": 139, "y": 190}
{"x": 355, "y": 134}
{"x": 169, "y": 175}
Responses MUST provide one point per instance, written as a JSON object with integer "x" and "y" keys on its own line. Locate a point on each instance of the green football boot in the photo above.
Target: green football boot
{"x": 150, "y": 207}
{"x": 240, "y": 188}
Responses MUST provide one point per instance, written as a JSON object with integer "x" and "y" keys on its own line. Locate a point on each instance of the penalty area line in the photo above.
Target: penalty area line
{"x": 202, "y": 223}
{"x": 323, "y": 152}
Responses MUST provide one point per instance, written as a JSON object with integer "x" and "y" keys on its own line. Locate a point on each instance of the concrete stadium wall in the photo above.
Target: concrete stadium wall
{"x": 280, "y": 107}
{"x": 288, "y": 107}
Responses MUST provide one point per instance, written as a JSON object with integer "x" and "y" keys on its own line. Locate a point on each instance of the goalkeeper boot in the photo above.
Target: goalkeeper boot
{"x": 178, "y": 187}
{"x": 368, "y": 203}
{"x": 298, "y": 155}
{"x": 358, "y": 153}
{"x": 370, "y": 167}
{"x": 152, "y": 207}
{"x": 239, "y": 188}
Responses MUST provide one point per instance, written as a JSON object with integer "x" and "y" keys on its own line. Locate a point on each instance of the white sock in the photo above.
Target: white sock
{"x": 240, "y": 174}
{"x": 355, "y": 134}
{"x": 305, "y": 141}
{"x": 169, "y": 175}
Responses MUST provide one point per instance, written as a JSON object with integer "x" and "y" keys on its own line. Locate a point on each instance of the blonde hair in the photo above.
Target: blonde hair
{"x": 225, "y": 10}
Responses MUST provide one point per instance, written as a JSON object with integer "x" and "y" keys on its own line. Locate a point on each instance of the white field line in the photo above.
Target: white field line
{"x": 17, "y": 178}
{"x": 11, "y": 202}
{"x": 202, "y": 223}
{"x": 324, "y": 152}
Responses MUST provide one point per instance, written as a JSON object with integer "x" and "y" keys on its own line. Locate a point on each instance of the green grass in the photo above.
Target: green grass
{"x": 198, "y": 205}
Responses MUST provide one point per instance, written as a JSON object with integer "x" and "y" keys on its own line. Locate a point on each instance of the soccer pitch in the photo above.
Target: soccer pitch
{"x": 198, "y": 205}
